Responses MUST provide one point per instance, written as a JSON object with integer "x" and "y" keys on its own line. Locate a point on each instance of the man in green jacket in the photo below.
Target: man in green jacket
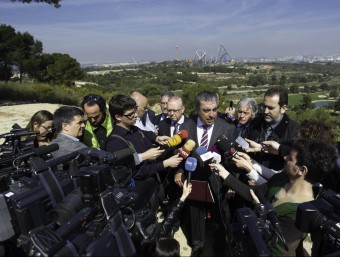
{"x": 99, "y": 124}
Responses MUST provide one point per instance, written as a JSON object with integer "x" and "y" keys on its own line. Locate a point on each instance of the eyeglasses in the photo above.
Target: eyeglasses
{"x": 169, "y": 111}
{"x": 48, "y": 129}
{"x": 131, "y": 114}
{"x": 93, "y": 98}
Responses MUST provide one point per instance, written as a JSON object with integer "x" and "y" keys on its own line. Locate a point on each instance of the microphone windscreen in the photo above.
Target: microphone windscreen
{"x": 201, "y": 150}
{"x": 46, "y": 149}
{"x": 183, "y": 134}
{"x": 189, "y": 145}
{"x": 121, "y": 154}
{"x": 174, "y": 141}
{"x": 224, "y": 144}
{"x": 191, "y": 164}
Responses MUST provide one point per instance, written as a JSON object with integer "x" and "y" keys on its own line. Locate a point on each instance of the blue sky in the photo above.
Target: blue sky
{"x": 108, "y": 31}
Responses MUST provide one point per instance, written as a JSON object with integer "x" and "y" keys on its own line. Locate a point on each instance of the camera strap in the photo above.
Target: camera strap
{"x": 52, "y": 186}
{"x": 120, "y": 233}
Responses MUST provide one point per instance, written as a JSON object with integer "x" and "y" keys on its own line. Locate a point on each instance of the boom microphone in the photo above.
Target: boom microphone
{"x": 108, "y": 156}
{"x": 186, "y": 149}
{"x": 190, "y": 166}
{"x": 19, "y": 134}
{"x": 42, "y": 150}
{"x": 173, "y": 141}
{"x": 183, "y": 134}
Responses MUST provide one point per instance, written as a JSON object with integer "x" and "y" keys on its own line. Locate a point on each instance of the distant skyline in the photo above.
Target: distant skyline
{"x": 112, "y": 31}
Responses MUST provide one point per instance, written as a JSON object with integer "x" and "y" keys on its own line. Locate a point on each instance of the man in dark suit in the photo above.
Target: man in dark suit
{"x": 272, "y": 125}
{"x": 169, "y": 127}
{"x": 164, "y": 107}
{"x": 205, "y": 129}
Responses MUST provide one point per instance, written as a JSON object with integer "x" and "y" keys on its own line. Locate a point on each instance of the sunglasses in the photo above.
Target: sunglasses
{"x": 93, "y": 98}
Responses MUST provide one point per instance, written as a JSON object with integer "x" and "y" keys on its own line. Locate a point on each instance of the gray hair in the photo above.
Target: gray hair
{"x": 251, "y": 103}
{"x": 205, "y": 96}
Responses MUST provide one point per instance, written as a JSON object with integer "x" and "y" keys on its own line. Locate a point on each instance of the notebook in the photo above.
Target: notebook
{"x": 201, "y": 191}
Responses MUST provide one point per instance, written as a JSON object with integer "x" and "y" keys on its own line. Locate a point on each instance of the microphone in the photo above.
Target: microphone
{"x": 183, "y": 134}
{"x": 19, "y": 133}
{"x": 108, "y": 156}
{"x": 173, "y": 141}
{"x": 190, "y": 166}
{"x": 205, "y": 156}
{"x": 227, "y": 146}
{"x": 186, "y": 149}
{"x": 42, "y": 150}
{"x": 272, "y": 217}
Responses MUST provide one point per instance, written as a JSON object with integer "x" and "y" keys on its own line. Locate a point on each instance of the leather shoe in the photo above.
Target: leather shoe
{"x": 196, "y": 252}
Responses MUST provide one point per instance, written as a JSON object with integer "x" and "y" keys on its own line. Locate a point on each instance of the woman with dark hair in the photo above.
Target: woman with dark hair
{"x": 42, "y": 122}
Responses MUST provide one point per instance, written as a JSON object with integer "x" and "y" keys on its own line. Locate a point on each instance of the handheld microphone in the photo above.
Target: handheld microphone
{"x": 183, "y": 134}
{"x": 205, "y": 156}
{"x": 186, "y": 149}
{"x": 190, "y": 166}
{"x": 173, "y": 141}
{"x": 227, "y": 146}
{"x": 272, "y": 217}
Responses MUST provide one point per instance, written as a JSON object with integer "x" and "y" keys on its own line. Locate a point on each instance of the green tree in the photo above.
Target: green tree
{"x": 337, "y": 105}
{"x": 294, "y": 89}
{"x": 26, "y": 49}
{"x": 7, "y": 38}
{"x": 55, "y": 3}
{"x": 63, "y": 70}
{"x": 306, "y": 102}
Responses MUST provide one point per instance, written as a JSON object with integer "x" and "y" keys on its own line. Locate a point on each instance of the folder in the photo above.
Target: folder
{"x": 201, "y": 192}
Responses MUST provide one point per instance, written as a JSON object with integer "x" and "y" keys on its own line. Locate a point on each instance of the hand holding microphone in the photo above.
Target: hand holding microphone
{"x": 152, "y": 154}
{"x": 172, "y": 142}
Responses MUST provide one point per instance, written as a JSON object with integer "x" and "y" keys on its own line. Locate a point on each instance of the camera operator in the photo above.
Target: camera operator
{"x": 308, "y": 162}
{"x": 42, "y": 121}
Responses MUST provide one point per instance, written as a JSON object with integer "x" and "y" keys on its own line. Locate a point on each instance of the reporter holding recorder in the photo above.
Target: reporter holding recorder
{"x": 308, "y": 162}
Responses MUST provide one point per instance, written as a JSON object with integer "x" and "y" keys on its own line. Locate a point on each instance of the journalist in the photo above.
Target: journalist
{"x": 308, "y": 162}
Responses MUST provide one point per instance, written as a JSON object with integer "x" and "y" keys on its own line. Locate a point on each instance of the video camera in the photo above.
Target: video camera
{"x": 253, "y": 233}
{"x": 87, "y": 209}
{"x": 321, "y": 218}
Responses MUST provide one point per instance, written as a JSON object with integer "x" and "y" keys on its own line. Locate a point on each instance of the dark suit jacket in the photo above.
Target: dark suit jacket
{"x": 285, "y": 131}
{"x": 203, "y": 172}
{"x": 164, "y": 127}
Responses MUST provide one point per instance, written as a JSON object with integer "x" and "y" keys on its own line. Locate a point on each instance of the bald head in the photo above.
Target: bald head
{"x": 141, "y": 101}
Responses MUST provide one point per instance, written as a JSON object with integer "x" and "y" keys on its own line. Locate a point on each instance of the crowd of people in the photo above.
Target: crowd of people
{"x": 284, "y": 161}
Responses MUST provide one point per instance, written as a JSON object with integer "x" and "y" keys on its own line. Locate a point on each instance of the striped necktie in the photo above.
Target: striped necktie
{"x": 204, "y": 139}
{"x": 176, "y": 127}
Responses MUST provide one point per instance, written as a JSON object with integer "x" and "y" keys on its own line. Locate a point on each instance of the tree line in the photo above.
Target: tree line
{"x": 20, "y": 51}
